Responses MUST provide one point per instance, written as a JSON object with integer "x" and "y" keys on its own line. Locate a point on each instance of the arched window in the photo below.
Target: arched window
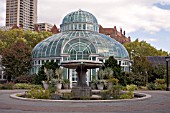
{"x": 79, "y": 49}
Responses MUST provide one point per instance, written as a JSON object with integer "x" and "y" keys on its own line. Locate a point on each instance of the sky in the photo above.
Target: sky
{"x": 147, "y": 20}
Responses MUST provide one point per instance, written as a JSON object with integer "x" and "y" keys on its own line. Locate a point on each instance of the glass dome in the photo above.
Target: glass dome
{"x": 79, "y": 40}
{"x": 79, "y": 43}
{"x": 79, "y": 20}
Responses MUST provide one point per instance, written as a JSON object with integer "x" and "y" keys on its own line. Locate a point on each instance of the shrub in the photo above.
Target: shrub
{"x": 158, "y": 85}
{"x": 105, "y": 94}
{"x": 115, "y": 91}
{"x": 114, "y": 81}
{"x": 131, "y": 87}
{"x": 7, "y": 85}
{"x": 66, "y": 81}
{"x": 38, "y": 94}
{"x": 160, "y": 81}
{"x": 151, "y": 86}
{"x": 26, "y": 86}
{"x": 67, "y": 96}
{"x": 24, "y": 79}
{"x": 127, "y": 95}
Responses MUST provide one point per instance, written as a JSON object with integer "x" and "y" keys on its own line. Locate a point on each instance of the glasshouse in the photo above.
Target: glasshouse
{"x": 79, "y": 40}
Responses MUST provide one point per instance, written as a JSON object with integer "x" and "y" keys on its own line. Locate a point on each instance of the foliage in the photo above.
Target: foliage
{"x": 114, "y": 81}
{"x": 16, "y": 60}
{"x": 151, "y": 86}
{"x": 143, "y": 72}
{"x": 30, "y": 38}
{"x": 157, "y": 72}
{"x": 38, "y": 94}
{"x": 141, "y": 68}
{"x": 131, "y": 87}
{"x": 100, "y": 74}
{"x": 105, "y": 94}
{"x": 160, "y": 81}
{"x": 127, "y": 95}
{"x": 66, "y": 81}
{"x": 25, "y": 86}
{"x": 113, "y": 69}
{"x": 24, "y": 79}
{"x": 51, "y": 65}
{"x": 159, "y": 84}
{"x": 112, "y": 63}
{"x": 143, "y": 48}
{"x": 7, "y": 85}
{"x": 67, "y": 95}
{"x": 108, "y": 73}
{"x": 49, "y": 73}
{"x": 40, "y": 76}
{"x": 116, "y": 93}
{"x": 59, "y": 73}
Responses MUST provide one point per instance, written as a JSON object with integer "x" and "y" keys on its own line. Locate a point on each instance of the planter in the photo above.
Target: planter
{"x": 66, "y": 86}
{"x": 45, "y": 85}
{"x": 109, "y": 85}
{"x": 93, "y": 86}
{"x": 59, "y": 85}
{"x": 100, "y": 86}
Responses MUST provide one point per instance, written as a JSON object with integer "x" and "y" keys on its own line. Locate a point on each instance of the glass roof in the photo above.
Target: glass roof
{"x": 80, "y": 16}
{"x": 79, "y": 38}
{"x": 96, "y": 43}
{"x": 79, "y": 20}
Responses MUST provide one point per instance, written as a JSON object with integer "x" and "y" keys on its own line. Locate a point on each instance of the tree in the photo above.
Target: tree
{"x": 16, "y": 60}
{"x": 143, "y": 49}
{"x": 31, "y": 38}
{"x": 157, "y": 72}
{"x": 141, "y": 68}
{"x": 112, "y": 63}
{"x": 51, "y": 65}
{"x": 48, "y": 71}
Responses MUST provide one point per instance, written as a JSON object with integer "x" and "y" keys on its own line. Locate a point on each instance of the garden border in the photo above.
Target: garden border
{"x": 144, "y": 96}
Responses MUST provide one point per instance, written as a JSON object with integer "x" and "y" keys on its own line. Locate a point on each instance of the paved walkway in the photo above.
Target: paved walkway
{"x": 158, "y": 103}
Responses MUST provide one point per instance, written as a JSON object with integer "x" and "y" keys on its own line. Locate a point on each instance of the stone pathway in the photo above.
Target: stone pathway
{"x": 158, "y": 103}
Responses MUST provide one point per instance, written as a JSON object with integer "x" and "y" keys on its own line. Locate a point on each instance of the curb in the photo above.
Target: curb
{"x": 144, "y": 96}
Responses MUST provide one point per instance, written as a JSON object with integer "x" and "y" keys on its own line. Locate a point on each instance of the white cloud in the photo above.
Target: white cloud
{"x": 131, "y": 15}
{"x": 150, "y": 40}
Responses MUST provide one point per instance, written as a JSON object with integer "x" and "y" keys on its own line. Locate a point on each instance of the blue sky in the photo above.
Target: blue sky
{"x": 147, "y": 20}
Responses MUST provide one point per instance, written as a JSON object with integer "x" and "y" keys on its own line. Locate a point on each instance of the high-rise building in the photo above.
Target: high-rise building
{"x": 22, "y": 13}
{"x": 45, "y": 26}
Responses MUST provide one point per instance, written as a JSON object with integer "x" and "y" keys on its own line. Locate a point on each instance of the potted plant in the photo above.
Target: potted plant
{"x": 66, "y": 83}
{"x": 100, "y": 81}
{"x": 100, "y": 84}
{"x": 59, "y": 83}
{"x": 45, "y": 85}
{"x": 59, "y": 75}
{"x": 93, "y": 83}
{"x": 112, "y": 81}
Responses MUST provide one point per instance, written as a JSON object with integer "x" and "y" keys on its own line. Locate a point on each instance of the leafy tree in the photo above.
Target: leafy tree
{"x": 141, "y": 68}
{"x": 41, "y": 76}
{"x": 112, "y": 63}
{"x": 157, "y": 72}
{"x": 31, "y": 38}
{"x": 47, "y": 72}
{"x": 143, "y": 48}
{"x": 16, "y": 60}
{"x": 51, "y": 65}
